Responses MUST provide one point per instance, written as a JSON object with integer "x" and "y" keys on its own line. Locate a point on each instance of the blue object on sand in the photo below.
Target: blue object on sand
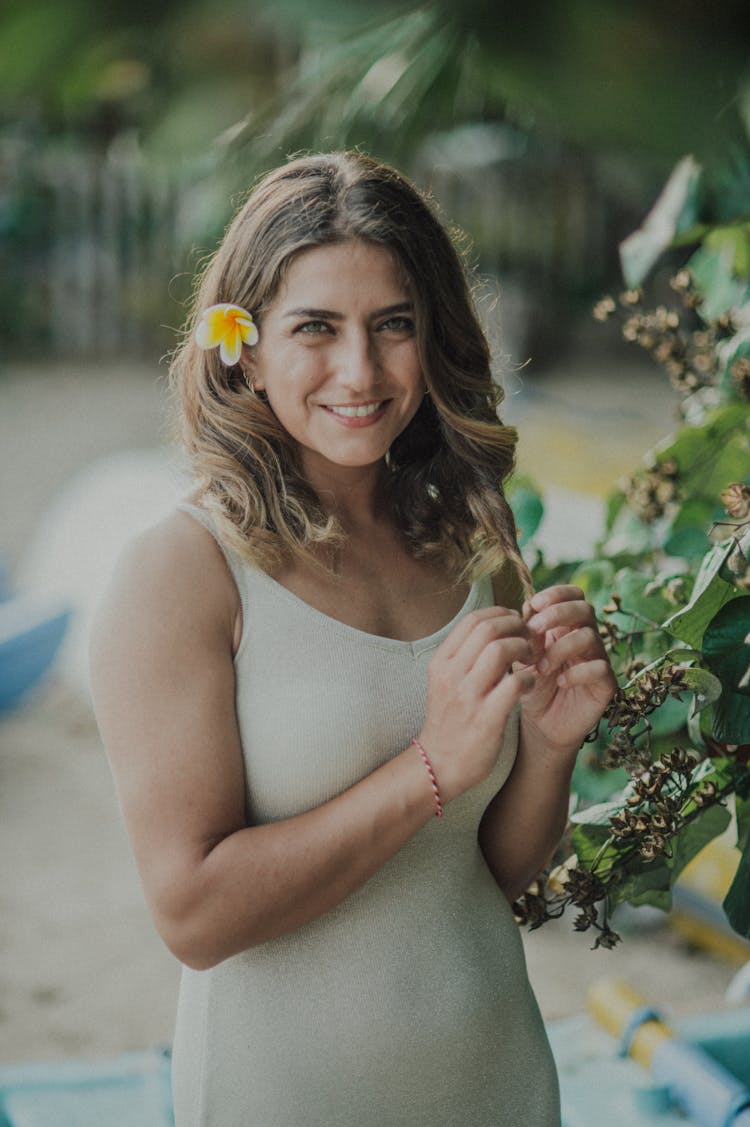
{"x": 31, "y": 632}
{"x": 598, "y": 1086}
{"x": 133, "y": 1089}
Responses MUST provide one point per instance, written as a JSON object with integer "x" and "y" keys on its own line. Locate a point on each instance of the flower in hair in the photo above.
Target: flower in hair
{"x": 226, "y": 327}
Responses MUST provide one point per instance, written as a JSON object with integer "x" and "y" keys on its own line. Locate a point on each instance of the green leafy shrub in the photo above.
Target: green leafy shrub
{"x": 667, "y": 769}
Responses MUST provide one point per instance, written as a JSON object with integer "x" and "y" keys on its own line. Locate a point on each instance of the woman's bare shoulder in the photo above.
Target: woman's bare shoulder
{"x": 171, "y": 576}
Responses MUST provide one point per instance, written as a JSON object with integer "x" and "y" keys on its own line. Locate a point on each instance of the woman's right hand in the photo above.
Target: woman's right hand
{"x": 471, "y": 692}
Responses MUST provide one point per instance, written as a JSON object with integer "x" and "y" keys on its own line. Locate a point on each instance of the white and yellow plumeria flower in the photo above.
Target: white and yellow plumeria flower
{"x": 226, "y": 327}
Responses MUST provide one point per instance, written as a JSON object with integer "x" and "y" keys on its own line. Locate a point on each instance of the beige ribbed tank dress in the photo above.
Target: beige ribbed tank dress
{"x": 408, "y": 1005}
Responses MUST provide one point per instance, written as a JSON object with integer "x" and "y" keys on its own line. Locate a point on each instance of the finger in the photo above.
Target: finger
{"x": 577, "y": 646}
{"x": 503, "y": 698}
{"x": 559, "y": 593}
{"x": 589, "y": 673}
{"x": 496, "y": 660}
{"x": 568, "y": 615}
{"x": 471, "y": 622}
{"x": 493, "y": 633}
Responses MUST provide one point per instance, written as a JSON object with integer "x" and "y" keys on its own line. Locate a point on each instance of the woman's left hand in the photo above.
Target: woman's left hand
{"x": 574, "y": 682}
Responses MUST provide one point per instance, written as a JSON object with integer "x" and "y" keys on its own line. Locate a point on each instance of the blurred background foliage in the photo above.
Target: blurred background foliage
{"x": 128, "y": 131}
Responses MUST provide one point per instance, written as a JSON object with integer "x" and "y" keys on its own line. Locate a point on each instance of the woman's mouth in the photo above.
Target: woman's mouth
{"x": 359, "y": 414}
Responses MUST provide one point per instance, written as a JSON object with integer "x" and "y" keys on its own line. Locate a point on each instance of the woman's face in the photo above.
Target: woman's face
{"x": 337, "y": 355}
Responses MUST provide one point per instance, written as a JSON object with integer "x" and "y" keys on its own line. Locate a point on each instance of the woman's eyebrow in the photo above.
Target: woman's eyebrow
{"x": 330, "y": 315}
{"x": 401, "y": 307}
{"x": 319, "y": 314}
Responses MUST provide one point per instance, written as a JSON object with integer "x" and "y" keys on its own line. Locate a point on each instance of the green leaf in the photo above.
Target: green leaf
{"x": 675, "y": 211}
{"x": 596, "y": 580}
{"x": 670, "y": 717}
{"x": 734, "y": 241}
{"x": 649, "y": 882}
{"x": 640, "y": 595}
{"x": 687, "y": 537}
{"x": 629, "y": 535}
{"x": 712, "y": 821}
{"x": 704, "y": 453}
{"x": 598, "y": 815}
{"x": 734, "y": 348}
{"x": 696, "y": 513}
{"x": 687, "y": 543}
{"x": 589, "y": 842}
{"x": 725, "y": 647}
{"x": 593, "y": 783}
{"x": 726, "y": 652}
{"x": 742, "y": 817}
{"x": 714, "y": 278}
{"x": 615, "y": 502}
{"x": 699, "y": 728}
{"x": 710, "y": 593}
{"x": 528, "y": 509}
{"x": 737, "y": 901}
{"x": 732, "y": 461}
{"x": 705, "y": 687}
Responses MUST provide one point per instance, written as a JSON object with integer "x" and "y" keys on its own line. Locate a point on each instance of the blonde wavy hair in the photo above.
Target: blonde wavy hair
{"x": 445, "y": 471}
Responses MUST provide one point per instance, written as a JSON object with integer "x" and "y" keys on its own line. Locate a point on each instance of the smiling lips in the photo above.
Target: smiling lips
{"x": 357, "y": 416}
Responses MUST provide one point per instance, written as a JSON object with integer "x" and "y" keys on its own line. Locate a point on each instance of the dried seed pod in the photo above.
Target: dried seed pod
{"x": 631, "y": 297}
{"x": 604, "y": 308}
{"x": 740, "y": 374}
{"x": 607, "y": 938}
{"x": 705, "y": 793}
{"x": 736, "y": 500}
{"x": 682, "y": 281}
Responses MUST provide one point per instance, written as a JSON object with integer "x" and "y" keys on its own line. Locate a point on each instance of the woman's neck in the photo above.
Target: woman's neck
{"x": 353, "y": 495}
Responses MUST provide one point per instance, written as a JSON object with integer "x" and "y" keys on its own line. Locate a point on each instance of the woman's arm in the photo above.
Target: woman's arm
{"x": 163, "y": 681}
{"x": 574, "y": 684}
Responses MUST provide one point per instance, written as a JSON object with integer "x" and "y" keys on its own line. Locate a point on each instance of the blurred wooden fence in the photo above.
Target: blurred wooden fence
{"x": 91, "y": 244}
{"x": 542, "y": 227}
{"x": 112, "y": 252}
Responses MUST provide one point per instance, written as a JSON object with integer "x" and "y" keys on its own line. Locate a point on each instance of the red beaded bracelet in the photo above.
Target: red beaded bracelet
{"x": 433, "y": 780}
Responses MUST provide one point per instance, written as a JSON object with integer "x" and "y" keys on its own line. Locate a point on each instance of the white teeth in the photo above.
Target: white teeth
{"x": 357, "y": 412}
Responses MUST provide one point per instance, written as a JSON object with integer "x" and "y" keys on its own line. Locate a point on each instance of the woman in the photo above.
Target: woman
{"x": 322, "y": 651}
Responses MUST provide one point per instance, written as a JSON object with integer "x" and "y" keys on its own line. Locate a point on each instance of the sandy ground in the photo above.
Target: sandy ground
{"x": 82, "y": 971}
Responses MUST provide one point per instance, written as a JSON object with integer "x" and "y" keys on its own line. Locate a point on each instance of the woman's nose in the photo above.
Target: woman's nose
{"x": 359, "y": 365}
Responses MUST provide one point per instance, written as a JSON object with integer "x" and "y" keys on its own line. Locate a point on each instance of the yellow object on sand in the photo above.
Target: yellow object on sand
{"x": 616, "y": 1006}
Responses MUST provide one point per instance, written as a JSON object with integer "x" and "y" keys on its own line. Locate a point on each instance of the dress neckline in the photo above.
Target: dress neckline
{"x": 418, "y": 645}
{"x": 240, "y": 567}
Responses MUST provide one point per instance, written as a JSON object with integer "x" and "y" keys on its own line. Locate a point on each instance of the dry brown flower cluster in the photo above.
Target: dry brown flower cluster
{"x": 581, "y": 888}
{"x": 739, "y": 371}
{"x": 688, "y": 355}
{"x": 654, "y": 805}
{"x": 736, "y": 501}
{"x": 631, "y": 705}
{"x": 650, "y": 491}
{"x": 661, "y": 800}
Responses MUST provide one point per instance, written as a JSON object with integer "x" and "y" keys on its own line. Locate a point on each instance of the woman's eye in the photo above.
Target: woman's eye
{"x": 313, "y": 328}
{"x": 398, "y": 325}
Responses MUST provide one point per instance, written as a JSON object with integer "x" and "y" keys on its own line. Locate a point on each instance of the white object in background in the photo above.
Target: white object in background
{"x": 738, "y": 990}
{"x": 571, "y": 525}
{"x": 80, "y": 536}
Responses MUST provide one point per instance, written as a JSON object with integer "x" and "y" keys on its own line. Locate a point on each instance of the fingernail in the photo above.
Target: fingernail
{"x": 543, "y": 665}
{"x": 534, "y": 622}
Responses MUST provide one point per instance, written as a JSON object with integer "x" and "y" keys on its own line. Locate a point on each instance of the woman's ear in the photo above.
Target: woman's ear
{"x": 250, "y": 368}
